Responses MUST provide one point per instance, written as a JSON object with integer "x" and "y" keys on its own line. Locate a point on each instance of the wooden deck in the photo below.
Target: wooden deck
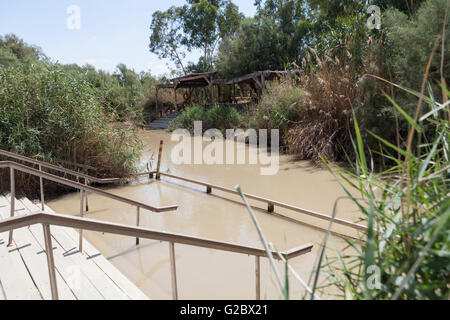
{"x": 86, "y": 275}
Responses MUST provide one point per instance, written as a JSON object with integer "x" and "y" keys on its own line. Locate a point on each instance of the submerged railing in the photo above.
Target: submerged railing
{"x": 48, "y": 220}
{"x": 270, "y": 203}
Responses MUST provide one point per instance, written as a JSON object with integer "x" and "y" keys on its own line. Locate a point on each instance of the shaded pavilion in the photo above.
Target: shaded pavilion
{"x": 210, "y": 81}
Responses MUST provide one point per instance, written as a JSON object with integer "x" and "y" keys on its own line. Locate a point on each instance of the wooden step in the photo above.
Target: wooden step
{"x": 24, "y": 271}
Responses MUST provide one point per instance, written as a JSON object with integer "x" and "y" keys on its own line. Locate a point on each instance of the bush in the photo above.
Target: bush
{"x": 222, "y": 117}
{"x": 219, "y": 117}
{"x": 49, "y": 114}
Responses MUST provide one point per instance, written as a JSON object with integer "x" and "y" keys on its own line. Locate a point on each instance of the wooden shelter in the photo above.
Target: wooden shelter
{"x": 256, "y": 81}
{"x": 190, "y": 82}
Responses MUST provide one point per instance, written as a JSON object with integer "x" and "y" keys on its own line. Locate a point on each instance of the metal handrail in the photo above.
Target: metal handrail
{"x": 87, "y": 178}
{"x": 271, "y": 203}
{"x": 84, "y": 188}
{"x": 58, "y": 168}
{"x": 47, "y": 219}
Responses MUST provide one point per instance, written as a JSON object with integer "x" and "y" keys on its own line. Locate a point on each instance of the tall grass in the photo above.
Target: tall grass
{"x": 406, "y": 252}
{"x": 332, "y": 91}
{"x": 280, "y": 107}
{"x": 50, "y": 114}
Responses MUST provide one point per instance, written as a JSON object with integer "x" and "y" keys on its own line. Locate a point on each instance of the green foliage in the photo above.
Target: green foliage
{"x": 411, "y": 41}
{"x": 187, "y": 118}
{"x": 200, "y": 24}
{"x": 218, "y": 117}
{"x": 51, "y": 114}
{"x": 122, "y": 94}
{"x": 402, "y": 55}
{"x": 255, "y": 47}
{"x": 408, "y": 212}
{"x": 14, "y": 50}
{"x": 166, "y": 38}
{"x": 222, "y": 117}
{"x": 408, "y": 7}
{"x": 279, "y": 108}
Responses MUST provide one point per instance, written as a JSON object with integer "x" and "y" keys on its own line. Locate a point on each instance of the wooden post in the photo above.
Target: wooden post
{"x": 158, "y": 175}
{"x": 41, "y": 184}
{"x": 258, "y": 277}
{"x": 138, "y": 217}
{"x": 212, "y": 94}
{"x": 50, "y": 261}
{"x": 80, "y": 248}
{"x": 205, "y": 93}
{"x": 86, "y": 194}
{"x": 174, "y": 271}
{"x": 175, "y": 96}
{"x": 13, "y": 201}
{"x": 156, "y": 100}
{"x": 263, "y": 82}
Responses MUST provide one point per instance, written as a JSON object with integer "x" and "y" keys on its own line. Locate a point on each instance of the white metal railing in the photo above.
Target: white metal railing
{"x": 76, "y": 174}
{"x": 47, "y": 220}
{"x": 13, "y": 166}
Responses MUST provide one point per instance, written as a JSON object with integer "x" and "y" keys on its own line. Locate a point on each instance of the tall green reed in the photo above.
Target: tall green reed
{"x": 405, "y": 253}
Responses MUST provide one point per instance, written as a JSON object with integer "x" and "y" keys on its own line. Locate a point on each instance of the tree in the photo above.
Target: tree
{"x": 167, "y": 39}
{"x": 275, "y": 37}
{"x": 257, "y": 46}
{"x": 408, "y": 7}
{"x": 198, "y": 25}
{"x": 13, "y": 50}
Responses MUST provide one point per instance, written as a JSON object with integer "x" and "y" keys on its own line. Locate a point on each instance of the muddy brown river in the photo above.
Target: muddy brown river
{"x": 210, "y": 274}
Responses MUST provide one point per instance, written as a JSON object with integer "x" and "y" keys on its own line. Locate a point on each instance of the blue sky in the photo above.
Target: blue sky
{"x": 111, "y": 31}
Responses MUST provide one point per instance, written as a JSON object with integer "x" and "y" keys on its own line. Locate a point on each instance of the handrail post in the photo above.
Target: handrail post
{"x": 158, "y": 175}
{"x": 81, "y": 215}
{"x": 173, "y": 271}
{"x": 50, "y": 261}
{"x": 258, "y": 277}
{"x": 138, "y": 217}
{"x": 86, "y": 181}
{"x": 41, "y": 184}
{"x": 13, "y": 201}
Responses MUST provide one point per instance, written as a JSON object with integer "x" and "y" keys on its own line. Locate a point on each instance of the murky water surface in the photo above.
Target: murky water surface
{"x": 210, "y": 274}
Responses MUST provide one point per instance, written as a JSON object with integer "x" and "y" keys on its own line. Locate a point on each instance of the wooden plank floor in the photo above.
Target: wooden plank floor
{"x": 83, "y": 275}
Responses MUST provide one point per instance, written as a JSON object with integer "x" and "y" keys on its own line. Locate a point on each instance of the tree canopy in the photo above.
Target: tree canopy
{"x": 198, "y": 25}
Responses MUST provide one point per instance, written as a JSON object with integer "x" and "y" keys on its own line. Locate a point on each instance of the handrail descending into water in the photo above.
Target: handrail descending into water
{"x": 83, "y": 189}
{"x": 47, "y": 220}
{"x": 43, "y": 164}
{"x": 87, "y": 178}
{"x": 271, "y": 203}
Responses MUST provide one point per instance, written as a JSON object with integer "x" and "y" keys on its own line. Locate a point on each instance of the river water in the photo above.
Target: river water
{"x": 210, "y": 274}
